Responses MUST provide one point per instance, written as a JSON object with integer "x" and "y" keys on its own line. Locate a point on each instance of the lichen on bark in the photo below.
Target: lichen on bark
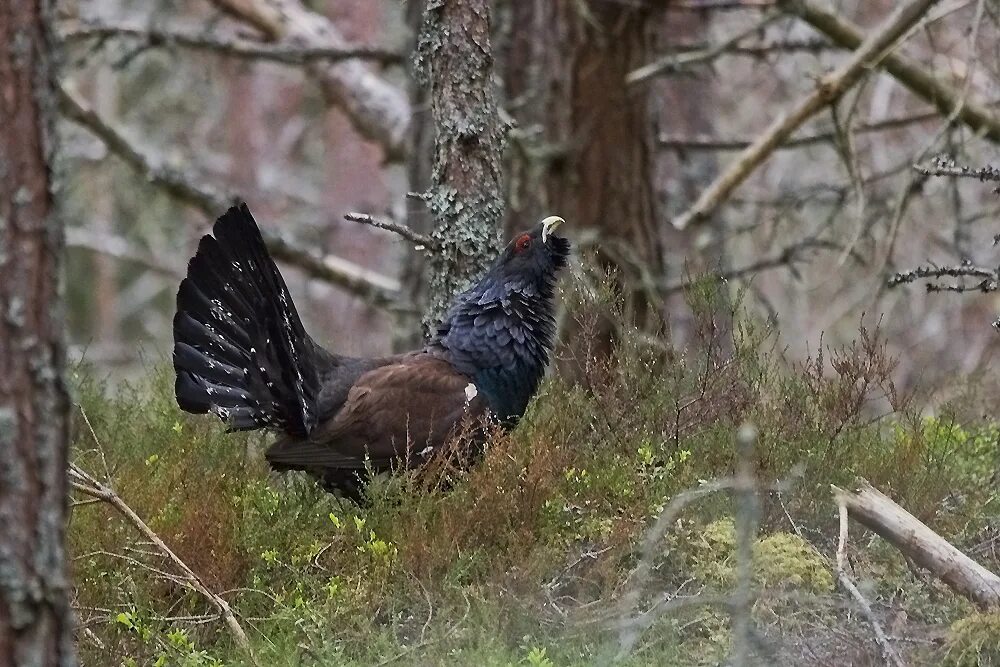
{"x": 465, "y": 196}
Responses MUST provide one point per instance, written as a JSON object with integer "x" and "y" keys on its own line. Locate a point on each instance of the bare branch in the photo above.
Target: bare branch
{"x": 379, "y": 110}
{"x": 720, "y": 144}
{"x": 673, "y": 63}
{"x": 828, "y": 90}
{"x": 190, "y": 191}
{"x": 946, "y": 166}
{"x": 119, "y": 248}
{"x": 719, "y": 5}
{"x": 988, "y": 279}
{"x": 889, "y": 653}
{"x": 377, "y": 289}
{"x": 913, "y": 75}
{"x": 84, "y": 483}
{"x": 418, "y": 239}
{"x": 230, "y": 45}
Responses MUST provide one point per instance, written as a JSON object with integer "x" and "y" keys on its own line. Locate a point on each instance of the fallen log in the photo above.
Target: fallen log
{"x": 880, "y": 514}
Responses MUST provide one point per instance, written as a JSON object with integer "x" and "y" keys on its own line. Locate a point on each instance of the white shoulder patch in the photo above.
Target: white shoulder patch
{"x": 470, "y": 392}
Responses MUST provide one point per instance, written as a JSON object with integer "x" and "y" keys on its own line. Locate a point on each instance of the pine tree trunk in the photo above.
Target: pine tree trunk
{"x": 585, "y": 146}
{"x": 465, "y": 196}
{"x": 36, "y": 626}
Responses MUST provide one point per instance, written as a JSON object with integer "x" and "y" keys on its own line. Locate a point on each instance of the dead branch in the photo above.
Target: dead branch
{"x": 377, "y": 289}
{"x": 229, "y": 45}
{"x": 828, "y": 90}
{"x": 946, "y": 166}
{"x": 378, "y": 110}
{"x": 988, "y": 280}
{"x": 420, "y": 240}
{"x": 913, "y": 75}
{"x": 681, "y": 143}
{"x": 889, "y": 653}
{"x": 119, "y": 248}
{"x": 719, "y": 5}
{"x": 675, "y": 62}
{"x": 84, "y": 483}
{"x": 190, "y": 191}
{"x": 923, "y": 546}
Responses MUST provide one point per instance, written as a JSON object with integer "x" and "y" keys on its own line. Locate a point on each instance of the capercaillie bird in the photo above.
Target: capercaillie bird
{"x": 241, "y": 353}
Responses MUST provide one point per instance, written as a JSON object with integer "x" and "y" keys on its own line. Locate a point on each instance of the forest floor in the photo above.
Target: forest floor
{"x": 536, "y": 556}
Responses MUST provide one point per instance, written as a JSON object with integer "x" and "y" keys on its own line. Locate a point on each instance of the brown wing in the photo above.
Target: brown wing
{"x": 404, "y": 410}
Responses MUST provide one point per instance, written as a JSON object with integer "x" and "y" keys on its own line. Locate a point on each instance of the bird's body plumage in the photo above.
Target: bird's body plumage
{"x": 241, "y": 352}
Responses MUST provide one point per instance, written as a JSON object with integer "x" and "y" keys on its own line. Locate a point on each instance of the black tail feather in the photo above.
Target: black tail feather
{"x": 240, "y": 350}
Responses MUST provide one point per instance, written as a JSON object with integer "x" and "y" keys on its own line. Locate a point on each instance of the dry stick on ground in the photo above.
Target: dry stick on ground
{"x": 378, "y": 110}
{"x": 377, "y": 289}
{"x": 889, "y": 653}
{"x": 828, "y": 90}
{"x": 84, "y": 483}
{"x": 913, "y": 75}
{"x": 877, "y": 512}
{"x": 230, "y": 45}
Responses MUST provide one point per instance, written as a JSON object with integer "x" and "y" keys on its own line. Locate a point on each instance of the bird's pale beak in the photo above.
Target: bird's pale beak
{"x": 549, "y": 225}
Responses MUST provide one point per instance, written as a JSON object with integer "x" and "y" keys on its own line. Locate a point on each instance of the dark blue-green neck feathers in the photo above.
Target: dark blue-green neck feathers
{"x": 500, "y": 331}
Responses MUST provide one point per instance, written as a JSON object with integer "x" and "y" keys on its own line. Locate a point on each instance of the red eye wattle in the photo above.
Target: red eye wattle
{"x": 523, "y": 242}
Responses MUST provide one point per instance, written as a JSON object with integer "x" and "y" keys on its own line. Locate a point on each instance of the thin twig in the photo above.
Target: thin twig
{"x": 418, "y": 239}
{"x": 721, "y": 144}
{"x": 674, "y": 62}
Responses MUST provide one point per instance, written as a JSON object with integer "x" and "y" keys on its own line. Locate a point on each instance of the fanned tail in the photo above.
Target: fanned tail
{"x": 240, "y": 350}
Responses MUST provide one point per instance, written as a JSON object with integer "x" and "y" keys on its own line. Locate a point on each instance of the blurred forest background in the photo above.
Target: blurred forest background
{"x": 619, "y": 115}
{"x": 774, "y": 225}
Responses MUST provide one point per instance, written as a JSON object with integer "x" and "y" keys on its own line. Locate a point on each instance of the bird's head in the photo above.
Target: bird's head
{"x": 534, "y": 256}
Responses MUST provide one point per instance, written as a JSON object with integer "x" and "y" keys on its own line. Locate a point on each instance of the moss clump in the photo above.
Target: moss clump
{"x": 974, "y": 641}
{"x": 780, "y": 560}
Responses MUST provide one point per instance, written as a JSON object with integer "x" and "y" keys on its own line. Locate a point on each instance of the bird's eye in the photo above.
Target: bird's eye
{"x": 523, "y": 242}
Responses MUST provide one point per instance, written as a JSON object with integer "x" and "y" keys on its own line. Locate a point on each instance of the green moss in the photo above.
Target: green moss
{"x": 973, "y": 641}
{"x": 780, "y": 560}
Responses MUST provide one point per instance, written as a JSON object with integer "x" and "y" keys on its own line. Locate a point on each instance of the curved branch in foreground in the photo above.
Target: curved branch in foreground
{"x": 379, "y": 290}
{"x": 86, "y": 484}
{"x": 379, "y": 110}
{"x": 828, "y": 90}
{"x": 877, "y": 512}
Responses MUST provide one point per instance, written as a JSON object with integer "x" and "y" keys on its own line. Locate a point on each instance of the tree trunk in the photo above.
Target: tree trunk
{"x": 585, "y": 145}
{"x": 36, "y": 626}
{"x": 465, "y": 195}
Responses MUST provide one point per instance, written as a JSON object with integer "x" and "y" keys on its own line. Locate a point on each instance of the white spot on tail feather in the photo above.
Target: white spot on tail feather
{"x": 426, "y": 451}
{"x": 470, "y": 392}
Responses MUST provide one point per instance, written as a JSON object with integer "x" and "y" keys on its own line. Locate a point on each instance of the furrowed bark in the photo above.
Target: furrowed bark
{"x": 36, "y": 622}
